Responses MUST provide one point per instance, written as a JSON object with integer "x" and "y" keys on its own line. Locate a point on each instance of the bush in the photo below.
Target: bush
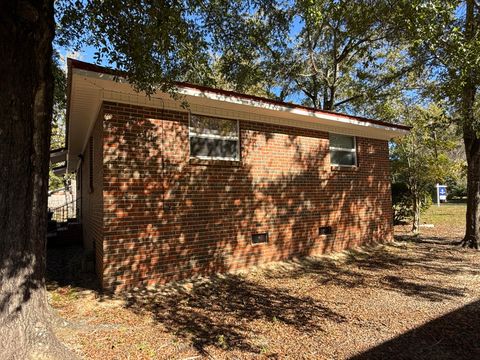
{"x": 457, "y": 190}
{"x": 403, "y": 205}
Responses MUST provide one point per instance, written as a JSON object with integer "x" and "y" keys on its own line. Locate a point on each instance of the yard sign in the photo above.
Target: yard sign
{"x": 441, "y": 193}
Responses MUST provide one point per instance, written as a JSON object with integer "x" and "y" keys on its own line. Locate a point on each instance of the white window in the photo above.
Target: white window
{"x": 214, "y": 138}
{"x": 343, "y": 150}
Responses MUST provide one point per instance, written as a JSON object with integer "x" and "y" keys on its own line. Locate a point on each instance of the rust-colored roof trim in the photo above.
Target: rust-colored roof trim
{"x": 77, "y": 64}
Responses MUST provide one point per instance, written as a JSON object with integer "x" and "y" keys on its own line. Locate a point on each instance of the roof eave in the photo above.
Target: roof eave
{"x": 86, "y": 76}
{"x": 116, "y": 73}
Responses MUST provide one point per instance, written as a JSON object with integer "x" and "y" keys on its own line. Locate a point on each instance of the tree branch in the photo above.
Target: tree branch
{"x": 387, "y": 80}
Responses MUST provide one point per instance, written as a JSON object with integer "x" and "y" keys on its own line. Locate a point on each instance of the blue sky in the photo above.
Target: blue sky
{"x": 85, "y": 54}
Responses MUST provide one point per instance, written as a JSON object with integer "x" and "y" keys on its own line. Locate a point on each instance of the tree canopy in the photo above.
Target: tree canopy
{"x": 324, "y": 54}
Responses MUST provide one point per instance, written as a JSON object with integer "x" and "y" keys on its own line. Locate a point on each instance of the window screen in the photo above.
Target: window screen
{"x": 343, "y": 151}
{"x": 213, "y": 138}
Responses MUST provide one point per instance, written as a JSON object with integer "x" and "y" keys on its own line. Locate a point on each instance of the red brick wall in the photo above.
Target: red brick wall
{"x": 168, "y": 217}
{"x": 92, "y": 197}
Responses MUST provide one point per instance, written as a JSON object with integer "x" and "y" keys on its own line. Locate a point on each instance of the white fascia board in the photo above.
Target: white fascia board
{"x": 342, "y": 119}
{"x": 215, "y": 96}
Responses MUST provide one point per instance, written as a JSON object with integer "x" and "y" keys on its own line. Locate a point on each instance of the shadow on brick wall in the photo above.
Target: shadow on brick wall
{"x": 167, "y": 217}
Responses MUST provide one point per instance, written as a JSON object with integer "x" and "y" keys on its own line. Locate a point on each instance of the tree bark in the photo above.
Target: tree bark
{"x": 26, "y": 88}
{"x": 472, "y": 143}
{"x": 472, "y": 150}
{"x": 416, "y": 214}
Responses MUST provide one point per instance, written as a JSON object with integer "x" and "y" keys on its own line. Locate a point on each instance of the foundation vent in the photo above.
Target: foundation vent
{"x": 325, "y": 230}
{"x": 261, "y": 238}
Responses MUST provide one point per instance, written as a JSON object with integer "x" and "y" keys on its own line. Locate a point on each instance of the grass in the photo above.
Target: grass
{"x": 412, "y": 299}
{"x": 448, "y": 222}
{"x": 447, "y": 214}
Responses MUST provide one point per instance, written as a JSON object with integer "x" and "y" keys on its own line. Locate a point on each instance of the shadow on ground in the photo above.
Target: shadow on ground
{"x": 215, "y": 311}
{"x": 66, "y": 267}
{"x": 433, "y": 240}
{"x": 450, "y": 337}
{"x": 365, "y": 268}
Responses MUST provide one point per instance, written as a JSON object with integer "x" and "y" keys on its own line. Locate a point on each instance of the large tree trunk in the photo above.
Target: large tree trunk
{"x": 472, "y": 143}
{"x": 472, "y": 150}
{"x": 26, "y": 88}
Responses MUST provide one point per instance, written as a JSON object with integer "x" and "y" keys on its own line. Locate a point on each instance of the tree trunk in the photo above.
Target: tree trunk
{"x": 416, "y": 214}
{"x": 472, "y": 150}
{"x": 26, "y": 88}
{"x": 472, "y": 143}
{"x": 330, "y": 103}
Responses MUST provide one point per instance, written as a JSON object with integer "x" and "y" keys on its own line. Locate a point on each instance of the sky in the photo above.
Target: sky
{"x": 85, "y": 54}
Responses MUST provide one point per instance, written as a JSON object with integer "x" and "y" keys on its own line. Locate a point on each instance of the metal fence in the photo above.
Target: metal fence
{"x": 64, "y": 212}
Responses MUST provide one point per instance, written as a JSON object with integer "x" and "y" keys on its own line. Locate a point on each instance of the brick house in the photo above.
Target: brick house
{"x": 167, "y": 191}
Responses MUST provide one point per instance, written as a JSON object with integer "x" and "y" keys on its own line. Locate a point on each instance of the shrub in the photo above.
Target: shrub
{"x": 403, "y": 204}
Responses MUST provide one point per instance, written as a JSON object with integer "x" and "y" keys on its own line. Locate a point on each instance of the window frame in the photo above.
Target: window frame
{"x": 213, "y": 136}
{"x": 335, "y": 148}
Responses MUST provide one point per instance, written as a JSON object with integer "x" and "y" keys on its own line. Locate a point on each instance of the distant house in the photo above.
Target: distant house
{"x": 166, "y": 192}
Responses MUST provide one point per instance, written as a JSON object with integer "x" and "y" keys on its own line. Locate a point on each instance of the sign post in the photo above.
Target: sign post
{"x": 441, "y": 193}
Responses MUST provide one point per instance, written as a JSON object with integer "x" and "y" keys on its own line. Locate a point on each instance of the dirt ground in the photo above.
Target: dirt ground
{"x": 416, "y": 298}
